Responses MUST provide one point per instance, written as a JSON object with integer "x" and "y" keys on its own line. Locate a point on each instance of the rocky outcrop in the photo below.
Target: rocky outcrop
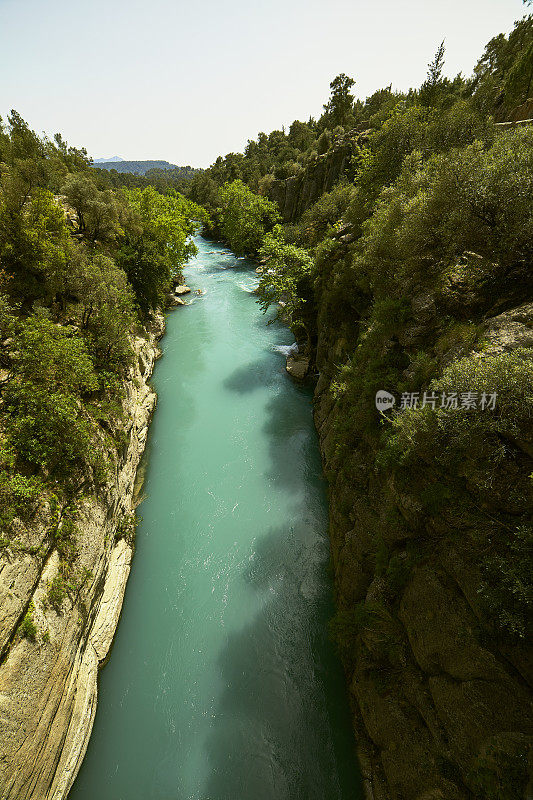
{"x": 48, "y": 685}
{"x": 175, "y": 296}
{"x": 295, "y": 195}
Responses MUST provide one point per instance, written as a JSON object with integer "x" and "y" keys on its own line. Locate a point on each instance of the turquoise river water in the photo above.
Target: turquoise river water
{"x": 222, "y": 683}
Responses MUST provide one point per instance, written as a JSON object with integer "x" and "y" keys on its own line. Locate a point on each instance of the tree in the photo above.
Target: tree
{"x": 339, "y": 108}
{"x": 97, "y": 210}
{"x": 42, "y": 401}
{"x": 429, "y": 91}
{"x": 54, "y": 357}
{"x": 301, "y": 135}
{"x": 286, "y": 265}
{"x": 33, "y": 237}
{"x": 245, "y": 217}
{"x": 503, "y": 76}
{"x": 108, "y": 311}
{"x": 156, "y": 241}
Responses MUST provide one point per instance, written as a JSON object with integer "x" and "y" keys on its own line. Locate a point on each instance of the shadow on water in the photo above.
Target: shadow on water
{"x": 281, "y": 730}
{"x": 291, "y": 441}
{"x": 252, "y": 376}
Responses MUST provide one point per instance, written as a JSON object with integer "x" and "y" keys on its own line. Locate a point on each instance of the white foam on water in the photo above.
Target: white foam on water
{"x": 286, "y": 349}
{"x": 248, "y": 287}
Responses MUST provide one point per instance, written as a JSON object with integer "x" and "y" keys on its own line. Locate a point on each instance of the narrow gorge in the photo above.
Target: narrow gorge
{"x": 223, "y": 681}
{"x": 301, "y": 542}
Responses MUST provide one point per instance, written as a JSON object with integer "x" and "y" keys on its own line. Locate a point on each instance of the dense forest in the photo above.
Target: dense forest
{"x": 396, "y": 238}
{"x": 83, "y": 266}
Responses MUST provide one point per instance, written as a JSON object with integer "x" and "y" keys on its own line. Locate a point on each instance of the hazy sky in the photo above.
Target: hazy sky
{"x": 187, "y": 81}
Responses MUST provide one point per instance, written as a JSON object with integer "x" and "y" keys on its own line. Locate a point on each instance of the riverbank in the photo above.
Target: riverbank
{"x": 48, "y": 686}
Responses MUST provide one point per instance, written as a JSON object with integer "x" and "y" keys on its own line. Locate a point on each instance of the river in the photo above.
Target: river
{"x": 222, "y": 683}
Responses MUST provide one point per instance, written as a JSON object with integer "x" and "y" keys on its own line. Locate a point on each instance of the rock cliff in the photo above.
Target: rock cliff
{"x": 295, "y": 195}
{"x": 441, "y": 705}
{"x": 48, "y": 680}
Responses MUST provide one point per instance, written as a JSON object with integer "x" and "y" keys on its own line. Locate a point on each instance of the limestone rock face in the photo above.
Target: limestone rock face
{"x": 295, "y": 195}
{"x": 48, "y": 688}
{"x": 511, "y": 329}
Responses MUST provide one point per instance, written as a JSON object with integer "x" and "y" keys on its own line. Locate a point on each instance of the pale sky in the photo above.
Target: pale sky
{"x": 187, "y": 81}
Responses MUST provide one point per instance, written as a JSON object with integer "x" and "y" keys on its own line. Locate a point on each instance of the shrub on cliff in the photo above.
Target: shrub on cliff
{"x": 456, "y": 438}
{"x": 470, "y": 199}
{"x": 27, "y": 627}
{"x": 51, "y": 373}
{"x": 486, "y": 453}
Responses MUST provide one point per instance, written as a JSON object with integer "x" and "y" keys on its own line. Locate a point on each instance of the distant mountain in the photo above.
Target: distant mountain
{"x": 113, "y": 159}
{"x": 136, "y": 167}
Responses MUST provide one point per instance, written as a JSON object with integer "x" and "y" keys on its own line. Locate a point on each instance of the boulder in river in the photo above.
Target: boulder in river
{"x": 297, "y": 365}
{"x": 181, "y": 289}
{"x": 173, "y": 301}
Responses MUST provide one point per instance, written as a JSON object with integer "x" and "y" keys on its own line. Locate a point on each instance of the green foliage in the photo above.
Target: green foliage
{"x": 437, "y": 91}
{"x": 458, "y": 437}
{"x": 126, "y": 529}
{"x": 56, "y": 592}
{"x": 7, "y": 318}
{"x": 507, "y": 588}
{"x": 27, "y": 627}
{"x": 244, "y": 217}
{"x": 98, "y": 211}
{"x": 107, "y": 312}
{"x": 34, "y": 240}
{"x": 64, "y": 534}
{"x": 430, "y": 88}
{"x": 79, "y": 264}
{"x": 469, "y": 199}
{"x": 339, "y": 108}
{"x": 45, "y": 429}
{"x": 54, "y": 356}
{"x": 52, "y": 371}
{"x": 409, "y": 129}
{"x": 18, "y": 494}
{"x": 503, "y": 76}
{"x": 68, "y": 582}
{"x": 155, "y": 243}
{"x": 323, "y": 215}
{"x": 475, "y": 446}
{"x": 285, "y": 277}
